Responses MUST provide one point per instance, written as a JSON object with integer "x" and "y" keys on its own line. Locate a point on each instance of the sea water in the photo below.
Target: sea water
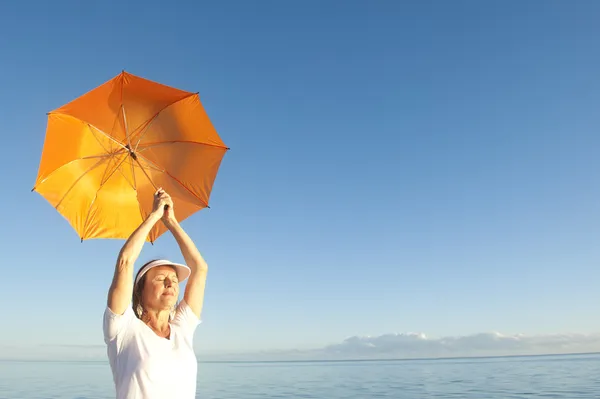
{"x": 567, "y": 376}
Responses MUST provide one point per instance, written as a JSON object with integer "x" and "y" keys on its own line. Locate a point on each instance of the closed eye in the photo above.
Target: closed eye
{"x": 162, "y": 278}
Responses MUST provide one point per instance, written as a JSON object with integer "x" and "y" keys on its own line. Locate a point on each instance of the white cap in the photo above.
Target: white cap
{"x": 183, "y": 271}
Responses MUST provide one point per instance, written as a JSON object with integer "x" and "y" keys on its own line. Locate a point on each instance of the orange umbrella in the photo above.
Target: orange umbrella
{"x": 106, "y": 153}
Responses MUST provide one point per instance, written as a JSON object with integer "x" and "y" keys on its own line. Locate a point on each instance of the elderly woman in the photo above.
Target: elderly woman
{"x": 149, "y": 336}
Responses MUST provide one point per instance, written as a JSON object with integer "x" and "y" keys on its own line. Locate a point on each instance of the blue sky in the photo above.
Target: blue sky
{"x": 415, "y": 166}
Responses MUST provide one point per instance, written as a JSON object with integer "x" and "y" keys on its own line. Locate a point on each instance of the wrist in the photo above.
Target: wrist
{"x": 170, "y": 222}
{"x": 154, "y": 216}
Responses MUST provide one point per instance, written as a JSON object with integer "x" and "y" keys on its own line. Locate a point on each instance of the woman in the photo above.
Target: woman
{"x": 149, "y": 336}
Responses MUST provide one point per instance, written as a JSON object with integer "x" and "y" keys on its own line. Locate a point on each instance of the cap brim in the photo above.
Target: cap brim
{"x": 183, "y": 271}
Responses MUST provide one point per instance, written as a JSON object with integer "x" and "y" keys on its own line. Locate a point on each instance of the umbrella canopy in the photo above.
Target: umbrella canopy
{"x": 106, "y": 152}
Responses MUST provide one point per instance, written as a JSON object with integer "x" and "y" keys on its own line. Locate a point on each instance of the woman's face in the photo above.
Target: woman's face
{"x": 161, "y": 289}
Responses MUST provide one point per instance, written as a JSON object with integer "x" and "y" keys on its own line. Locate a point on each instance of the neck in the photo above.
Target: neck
{"x": 158, "y": 321}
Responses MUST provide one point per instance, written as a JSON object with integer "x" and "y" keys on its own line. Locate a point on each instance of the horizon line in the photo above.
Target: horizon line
{"x": 9, "y": 360}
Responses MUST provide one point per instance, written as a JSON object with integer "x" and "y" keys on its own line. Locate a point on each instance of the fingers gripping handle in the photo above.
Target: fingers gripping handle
{"x": 159, "y": 193}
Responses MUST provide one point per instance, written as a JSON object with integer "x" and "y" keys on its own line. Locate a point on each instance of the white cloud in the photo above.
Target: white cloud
{"x": 418, "y": 345}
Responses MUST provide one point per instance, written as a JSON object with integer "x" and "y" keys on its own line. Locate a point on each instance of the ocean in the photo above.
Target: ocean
{"x": 564, "y": 376}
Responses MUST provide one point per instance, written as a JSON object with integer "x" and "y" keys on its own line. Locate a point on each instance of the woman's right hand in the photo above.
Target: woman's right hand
{"x": 160, "y": 200}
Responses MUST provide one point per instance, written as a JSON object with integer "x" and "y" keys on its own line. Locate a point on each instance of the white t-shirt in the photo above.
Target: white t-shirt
{"x": 146, "y": 366}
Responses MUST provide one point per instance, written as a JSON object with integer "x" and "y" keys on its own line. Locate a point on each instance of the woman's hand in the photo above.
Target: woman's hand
{"x": 168, "y": 216}
{"x": 161, "y": 199}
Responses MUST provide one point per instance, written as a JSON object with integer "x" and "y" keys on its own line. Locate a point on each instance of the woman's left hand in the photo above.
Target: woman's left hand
{"x": 168, "y": 217}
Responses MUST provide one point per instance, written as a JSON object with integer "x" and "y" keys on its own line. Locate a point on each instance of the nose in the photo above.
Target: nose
{"x": 168, "y": 282}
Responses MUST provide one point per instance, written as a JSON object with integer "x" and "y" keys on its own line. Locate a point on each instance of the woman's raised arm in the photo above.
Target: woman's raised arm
{"x": 121, "y": 288}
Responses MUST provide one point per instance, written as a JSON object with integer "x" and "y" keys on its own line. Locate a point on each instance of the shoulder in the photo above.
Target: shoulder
{"x": 185, "y": 317}
{"x": 116, "y": 325}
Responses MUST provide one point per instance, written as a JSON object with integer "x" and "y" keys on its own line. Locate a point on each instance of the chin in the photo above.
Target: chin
{"x": 169, "y": 302}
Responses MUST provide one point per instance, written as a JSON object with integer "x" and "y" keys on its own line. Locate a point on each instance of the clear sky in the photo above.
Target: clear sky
{"x": 424, "y": 166}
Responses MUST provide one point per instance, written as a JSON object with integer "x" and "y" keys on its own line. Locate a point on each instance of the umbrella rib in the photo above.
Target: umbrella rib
{"x": 112, "y": 130}
{"x": 146, "y": 174}
{"x": 162, "y": 143}
{"x": 94, "y": 166}
{"x": 153, "y": 185}
{"x": 156, "y": 115}
{"x": 142, "y": 215}
{"x": 156, "y": 166}
{"x": 105, "y": 171}
{"x": 87, "y": 217}
{"x": 121, "y": 172}
{"x": 145, "y": 129}
{"x": 187, "y": 189}
{"x": 126, "y": 127}
{"x": 163, "y": 170}
{"x": 104, "y": 148}
{"x": 109, "y": 153}
{"x": 108, "y": 136}
{"x": 125, "y": 177}
{"x": 98, "y": 140}
{"x": 69, "y": 163}
{"x": 133, "y": 174}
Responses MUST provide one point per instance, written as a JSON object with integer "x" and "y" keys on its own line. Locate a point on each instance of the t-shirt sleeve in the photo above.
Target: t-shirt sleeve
{"x": 115, "y": 324}
{"x": 185, "y": 318}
